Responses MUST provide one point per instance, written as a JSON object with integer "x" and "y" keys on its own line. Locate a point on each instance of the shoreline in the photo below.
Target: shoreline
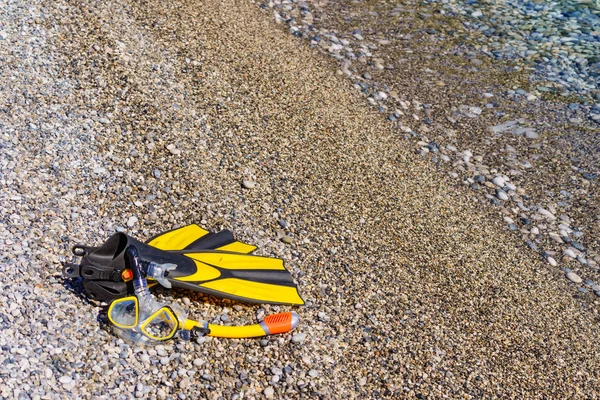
{"x": 472, "y": 126}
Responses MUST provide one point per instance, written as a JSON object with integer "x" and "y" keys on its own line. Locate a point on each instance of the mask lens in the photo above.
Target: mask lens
{"x": 124, "y": 312}
{"x": 161, "y": 325}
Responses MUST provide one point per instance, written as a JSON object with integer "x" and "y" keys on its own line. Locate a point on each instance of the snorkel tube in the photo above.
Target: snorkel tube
{"x": 141, "y": 318}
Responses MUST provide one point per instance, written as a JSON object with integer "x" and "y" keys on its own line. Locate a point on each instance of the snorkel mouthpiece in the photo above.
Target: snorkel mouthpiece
{"x": 159, "y": 272}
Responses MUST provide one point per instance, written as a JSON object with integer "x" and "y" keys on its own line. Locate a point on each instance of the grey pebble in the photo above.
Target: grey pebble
{"x": 299, "y": 337}
{"x": 531, "y": 245}
{"x": 498, "y": 181}
{"x": 573, "y": 277}
{"x": 532, "y": 135}
{"x": 501, "y": 194}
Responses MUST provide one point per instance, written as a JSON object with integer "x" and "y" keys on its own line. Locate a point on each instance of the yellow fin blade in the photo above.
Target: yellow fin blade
{"x": 257, "y": 291}
{"x": 178, "y": 239}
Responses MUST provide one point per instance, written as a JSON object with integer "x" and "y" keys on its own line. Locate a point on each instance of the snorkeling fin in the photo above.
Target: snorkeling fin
{"x": 193, "y": 237}
{"x": 214, "y": 263}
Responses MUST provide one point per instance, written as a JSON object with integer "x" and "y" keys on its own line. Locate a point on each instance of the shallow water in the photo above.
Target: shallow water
{"x": 448, "y": 72}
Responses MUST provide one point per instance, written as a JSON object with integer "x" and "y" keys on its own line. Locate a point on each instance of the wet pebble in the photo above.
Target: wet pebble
{"x": 501, "y": 194}
{"x": 573, "y": 277}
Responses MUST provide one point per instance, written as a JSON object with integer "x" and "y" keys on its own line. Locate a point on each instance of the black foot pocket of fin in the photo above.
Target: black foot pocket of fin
{"x": 105, "y": 290}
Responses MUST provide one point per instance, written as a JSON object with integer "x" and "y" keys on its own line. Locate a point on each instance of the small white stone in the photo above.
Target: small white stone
{"x": 269, "y": 392}
{"x": 569, "y": 253}
{"x": 556, "y": 237}
{"x": 132, "y": 221}
{"x": 499, "y": 181}
{"x": 249, "y": 184}
{"x": 552, "y": 261}
{"x": 299, "y": 337}
{"x": 65, "y": 379}
{"x": 546, "y": 214}
{"x": 573, "y": 277}
{"x": 173, "y": 150}
{"x": 502, "y": 195}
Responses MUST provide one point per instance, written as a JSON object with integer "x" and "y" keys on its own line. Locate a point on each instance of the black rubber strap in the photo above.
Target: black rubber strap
{"x": 198, "y": 331}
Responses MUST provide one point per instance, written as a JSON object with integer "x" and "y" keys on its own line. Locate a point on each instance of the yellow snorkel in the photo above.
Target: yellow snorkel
{"x": 142, "y": 318}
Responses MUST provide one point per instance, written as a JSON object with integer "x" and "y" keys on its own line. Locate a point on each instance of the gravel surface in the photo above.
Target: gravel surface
{"x": 142, "y": 116}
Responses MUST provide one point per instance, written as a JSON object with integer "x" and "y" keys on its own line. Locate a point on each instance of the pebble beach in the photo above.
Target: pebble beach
{"x": 428, "y": 171}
